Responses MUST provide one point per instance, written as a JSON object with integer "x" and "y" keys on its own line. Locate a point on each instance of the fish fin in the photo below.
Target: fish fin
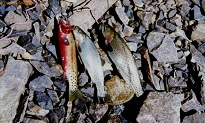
{"x": 75, "y": 94}
{"x": 78, "y": 46}
{"x": 64, "y": 77}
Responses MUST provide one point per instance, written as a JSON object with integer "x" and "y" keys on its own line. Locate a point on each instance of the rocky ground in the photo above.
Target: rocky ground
{"x": 166, "y": 38}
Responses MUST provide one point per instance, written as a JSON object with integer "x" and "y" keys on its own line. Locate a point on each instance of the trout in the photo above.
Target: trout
{"x": 69, "y": 60}
{"x": 122, "y": 57}
{"x": 91, "y": 59}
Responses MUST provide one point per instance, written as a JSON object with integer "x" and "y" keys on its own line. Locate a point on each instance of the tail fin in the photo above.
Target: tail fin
{"x": 74, "y": 94}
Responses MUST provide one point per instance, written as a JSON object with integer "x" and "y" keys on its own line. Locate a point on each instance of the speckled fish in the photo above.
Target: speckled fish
{"x": 122, "y": 57}
{"x": 91, "y": 59}
{"x": 69, "y": 60}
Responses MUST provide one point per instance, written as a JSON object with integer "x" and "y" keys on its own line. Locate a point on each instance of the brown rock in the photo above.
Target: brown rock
{"x": 198, "y": 34}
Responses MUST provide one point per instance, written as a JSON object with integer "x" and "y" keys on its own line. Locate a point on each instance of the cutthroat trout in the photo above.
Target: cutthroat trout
{"x": 122, "y": 57}
{"x": 91, "y": 59}
{"x": 69, "y": 61}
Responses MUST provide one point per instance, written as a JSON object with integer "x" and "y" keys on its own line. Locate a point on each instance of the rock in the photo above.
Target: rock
{"x": 36, "y": 110}
{"x": 162, "y": 47}
{"x": 198, "y": 34}
{"x": 41, "y": 83}
{"x": 201, "y": 48}
{"x": 146, "y": 18}
{"x": 170, "y": 26}
{"x": 1, "y": 67}
{"x": 127, "y": 30}
{"x": 30, "y": 120}
{"x": 192, "y": 103}
{"x": 82, "y": 79}
{"x": 44, "y": 68}
{"x": 43, "y": 100}
{"x": 197, "y": 13}
{"x": 122, "y": 15}
{"x": 2, "y": 9}
{"x": 12, "y": 18}
{"x": 88, "y": 91}
{"x": 195, "y": 118}
{"x": 52, "y": 49}
{"x": 11, "y": 8}
{"x": 97, "y": 111}
{"x": 203, "y": 4}
{"x": 132, "y": 46}
{"x": 160, "y": 107}
{"x": 12, "y": 86}
{"x": 53, "y": 95}
{"x": 138, "y": 3}
{"x": 199, "y": 59}
{"x": 172, "y": 13}
{"x": 61, "y": 85}
{"x": 118, "y": 91}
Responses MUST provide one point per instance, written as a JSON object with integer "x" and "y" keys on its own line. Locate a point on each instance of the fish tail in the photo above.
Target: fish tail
{"x": 74, "y": 94}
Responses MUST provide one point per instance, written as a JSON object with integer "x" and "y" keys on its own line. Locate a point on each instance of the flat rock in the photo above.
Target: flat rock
{"x": 162, "y": 47}
{"x": 122, "y": 15}
{"x": 195, "y": 118}
{"x": 198, "y": 34}
{"x": 43, "y": 100}
{"x": 161, "y": 107}
{"x": 138, "y": 3}
{"x": 41, "y": 83}
{"x": 201, "y": 48}
{"x": 197, "y": 12}
{"x": 44, "y": 68}
{"x": 132, "y": 46}
{"x": 36, "y": 110}
{"x": 12, "y": 86}
{"x": 12, "y": 18}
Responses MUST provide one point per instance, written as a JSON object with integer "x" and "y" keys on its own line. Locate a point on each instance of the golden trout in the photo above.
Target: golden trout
{"x": 69, "y": 61}
{"x": 91, "y": 59}
{"x": 122, "y": 57}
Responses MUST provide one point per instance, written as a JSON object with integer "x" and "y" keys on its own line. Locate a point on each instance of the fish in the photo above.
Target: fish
{"x": 91, "y": 60}
{"x": 69, "y": 60}
{"x": 122, "y": 57}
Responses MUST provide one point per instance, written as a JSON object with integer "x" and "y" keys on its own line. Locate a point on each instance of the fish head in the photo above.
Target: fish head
{"x": 65, "y": 27}
{"x": 79, "y": 34}
{"x": 108, "y": 33}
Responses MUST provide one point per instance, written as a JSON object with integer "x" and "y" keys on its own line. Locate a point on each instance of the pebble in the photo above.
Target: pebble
{"x": 122, "y": 15}
{"x": 138, "y": 3}
{"x": 43, "y": 100}
{"x": 127, "y": 30}
{"x": 36, "y": 110}
{"x": 53, "y": 95}
{"x": 172, "y": 13}
{"x": 160, "y": 107}
{"x": 198, "y": 33}
{"x": 197, "y": 13}
{"x": 132, "y": 46}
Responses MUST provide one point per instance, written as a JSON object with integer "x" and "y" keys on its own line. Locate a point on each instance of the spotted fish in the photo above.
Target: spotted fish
{"x": 69, "y": 60}
{"x": 122, "y": 57}
{"x": 91, "y": 59}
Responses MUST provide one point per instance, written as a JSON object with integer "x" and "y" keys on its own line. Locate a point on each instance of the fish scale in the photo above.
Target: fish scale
{"x": 91, "y": 59}
{"x": 122, "y": 58}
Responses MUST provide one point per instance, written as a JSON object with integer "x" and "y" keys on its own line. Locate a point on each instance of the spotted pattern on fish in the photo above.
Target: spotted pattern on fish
{"x": 122, "y": 58}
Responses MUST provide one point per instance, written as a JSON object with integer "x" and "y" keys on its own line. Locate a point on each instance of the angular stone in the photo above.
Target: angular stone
{"x": 162, "y": 47}
{"x": 197, "y": 13}
{"x": 122, "y": 15}
{"x": 127, "y": 30}
{"x": 41, "y": 83}
{"x": 53, "y": 95}
{"x": 12, "y": 86}
{"x": 12, "y": 18}
{"x": 44, "y": 68}
{"x": 88, "y": 90}
{"x": 172, "y": 13}
{"x": 1, "y": 67}
{"x": 132, "y": 46}
{"x": 170, "y": 26}
{"x": 161, "y": 107}
{"x": 36, "y": 110}
{"x": 98, "y": 111}
{"x": 195, "y": 118}
{"x": 30, "y": 120}
{"x": 201, "y": 48}
{"x": 83, "y": 79}
{"x": 198, "y": 33}
{"x": 43, "y": 100}
{"x": 138, "y": 3}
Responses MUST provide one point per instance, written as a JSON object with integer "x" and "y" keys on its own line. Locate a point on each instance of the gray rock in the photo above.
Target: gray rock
{"x": 161, "y": 107}
{"x": 198, "y": 33}
{"x": 197, "y": 13}
{"x": 43, "y": 100}
{"x": 12, "y": 18}
{"x": 172, "y": 13}
{"x": 30, "y": 120}
{"x": 53, "y": 95}
{"x": 88, "y": 91}
{"x": 44, "y": 68}
{"x": 41, "y": 83}
{"x": 36, "y": 110}
{"x": 12, "y": 86}
{"x": 162, "y": 47}
{"x": 146, "y": 18}
{"x": 52, "y": 49}
{"x": 203, "y": 4}
{"x": 1, "y": 67}
{"x": 132, "y": 46}
{"x": 122, "y": 15}
{"x": 201, "y": 48}
{"x": 83, "y": 79}
{"x": 61, "y": 85}
{"x": 197, "y": 2}
{"x": 192, "y": 103}
{"x": 127, "y": 30}
{"x": 138, "y": 3}
{"x": 2, "y": 9}
{"x": 199, "y": 59}
{"x": 170, "y": 26}
{"x": 195, "y": 118}
{"x": 11, "y": 8}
